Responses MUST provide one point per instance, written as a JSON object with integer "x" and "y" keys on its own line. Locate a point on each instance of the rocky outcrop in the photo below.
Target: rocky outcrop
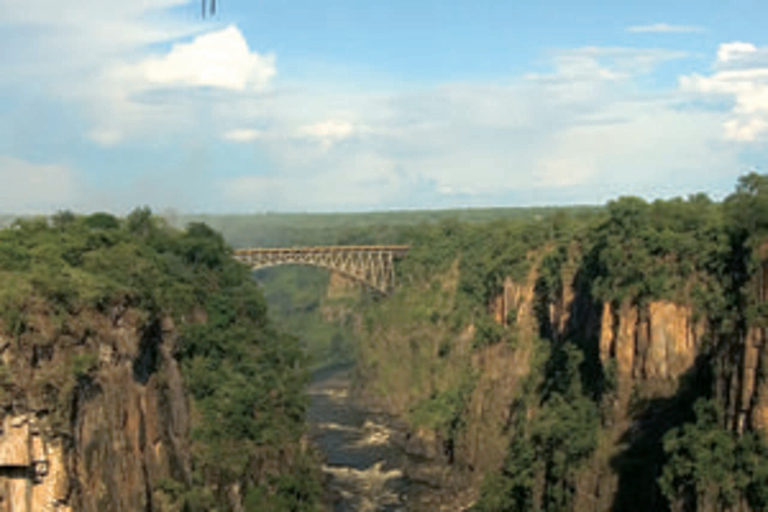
{"x": 514, "y": 305}
{"x": 95, "y": 415}
{"x": 657, "y": 343}
{"x": 752, "y": 402}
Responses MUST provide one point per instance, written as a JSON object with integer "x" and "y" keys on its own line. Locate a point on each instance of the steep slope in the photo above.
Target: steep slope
{"x": 138, "y": 371}
{"x": 607, "y": 363}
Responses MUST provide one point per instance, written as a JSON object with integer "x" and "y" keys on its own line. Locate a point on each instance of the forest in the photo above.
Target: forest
{"x": 688, "y": 444}
{"x": 535, "y": 331}
{"x": 244, "y": 378}
{"x": 687, "y": 441}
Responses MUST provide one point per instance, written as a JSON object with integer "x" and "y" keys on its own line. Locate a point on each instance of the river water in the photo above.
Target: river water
{"x": 364, "y": 468}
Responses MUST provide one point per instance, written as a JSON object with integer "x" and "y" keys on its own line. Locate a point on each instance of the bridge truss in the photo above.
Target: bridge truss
{"x": 372, "y": 265}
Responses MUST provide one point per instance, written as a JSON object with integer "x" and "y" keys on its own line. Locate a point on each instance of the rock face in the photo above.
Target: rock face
{"x": 95, "y": 415}
{"x": 500, "y": 369}
{"x": 33, "y": 474}
{"x": 658, "y": 344}
{"x": 751, "y": 401}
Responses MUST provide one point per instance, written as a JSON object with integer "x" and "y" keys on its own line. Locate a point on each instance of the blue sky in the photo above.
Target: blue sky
{"x": 357, "y": 106}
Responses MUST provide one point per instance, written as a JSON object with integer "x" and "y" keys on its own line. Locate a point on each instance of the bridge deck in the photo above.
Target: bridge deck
{"x": 397, "y": 250}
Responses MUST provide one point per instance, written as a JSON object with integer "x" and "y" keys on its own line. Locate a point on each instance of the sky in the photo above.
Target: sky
{"x": 342, "y": 105}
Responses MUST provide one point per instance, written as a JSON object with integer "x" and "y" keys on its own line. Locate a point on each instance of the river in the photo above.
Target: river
{"x": 367, "y": 467}
{"x": 364, "y": 467}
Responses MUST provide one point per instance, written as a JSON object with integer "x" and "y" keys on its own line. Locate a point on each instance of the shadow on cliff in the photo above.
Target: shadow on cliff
{"x": 147, "y": 360}
{"x": 577, "y": 322}
{"x": 639, "y": 465}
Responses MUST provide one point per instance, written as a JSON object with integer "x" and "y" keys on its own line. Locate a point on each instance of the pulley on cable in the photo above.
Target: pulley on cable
{"x": 208, "y": 7}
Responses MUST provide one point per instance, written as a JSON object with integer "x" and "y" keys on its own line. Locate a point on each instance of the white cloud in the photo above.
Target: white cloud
{"x": 636, "y": 150}
{"x": 166, "y": 93}
{"x": 745, "y": 130}
{"x": 741, "y": 74}
{"x": 27, "y": 187}
{"x": 243, "y": 135}
{"x": 216, "y": 59}
{"x": 664, "y": 28}
{"x": 77, "y": 12}
{"x": 103, "y": 56}
{"x": 73, "y": 40}
{"x": 737, "y": 50}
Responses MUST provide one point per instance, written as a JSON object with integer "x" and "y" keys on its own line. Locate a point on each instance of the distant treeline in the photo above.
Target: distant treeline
{"x": 287, "y": 229}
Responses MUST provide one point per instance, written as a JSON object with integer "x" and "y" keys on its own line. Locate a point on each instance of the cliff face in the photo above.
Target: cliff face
{"x": 754, "y": 396}
{"x": 645, "y": 361}
{"x": 95, "y": 414}
{"x": 750, "y": 395}
{"x": 33, "y": 475}
{"x": 654, "y": 345}
{"x": 649, "y": 349}
{"x": 340, "y": 286}
{"x": 500, "y": 369}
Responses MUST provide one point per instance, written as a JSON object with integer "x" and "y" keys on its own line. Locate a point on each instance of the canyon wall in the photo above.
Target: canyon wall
{"x": 645, "y": 355}
{"x": 747, "y": 390}
{"x": 94, "y": 414}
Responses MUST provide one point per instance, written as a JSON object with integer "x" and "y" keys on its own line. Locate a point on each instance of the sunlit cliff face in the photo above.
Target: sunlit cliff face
{"x": 122, "y": 429}
{"x": 33, "y": 470}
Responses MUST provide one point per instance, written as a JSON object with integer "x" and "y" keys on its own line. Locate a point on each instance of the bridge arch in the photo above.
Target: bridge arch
{"x": 371, "y": 265}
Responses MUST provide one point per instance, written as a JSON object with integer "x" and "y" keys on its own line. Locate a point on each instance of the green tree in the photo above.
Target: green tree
{"x": 710, "y": 466}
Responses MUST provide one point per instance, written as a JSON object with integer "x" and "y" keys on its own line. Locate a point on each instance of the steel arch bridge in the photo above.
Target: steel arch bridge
{"x": 371, "y": 265}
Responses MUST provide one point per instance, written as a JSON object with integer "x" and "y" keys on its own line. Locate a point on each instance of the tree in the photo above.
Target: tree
{"x": 708, "y": 465}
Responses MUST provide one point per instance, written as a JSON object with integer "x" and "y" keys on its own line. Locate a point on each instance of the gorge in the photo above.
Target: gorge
{"x": 591, "y": 359}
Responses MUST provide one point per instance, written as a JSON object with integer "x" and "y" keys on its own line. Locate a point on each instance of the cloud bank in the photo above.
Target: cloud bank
{"x": 582, "y": 131}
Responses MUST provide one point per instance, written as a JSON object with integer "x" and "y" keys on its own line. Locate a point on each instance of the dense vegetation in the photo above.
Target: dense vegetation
{"x": 299, "y": 304}
{"x": 692, "y": 450}
{"x": 711, "y": 467}
{"x": 297, "y": 296}
{"x": 546, "y": 452}
{"x": 245, "y": 379}
{"x": 693, "y": 251}
{"x": 686, "y": 453}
